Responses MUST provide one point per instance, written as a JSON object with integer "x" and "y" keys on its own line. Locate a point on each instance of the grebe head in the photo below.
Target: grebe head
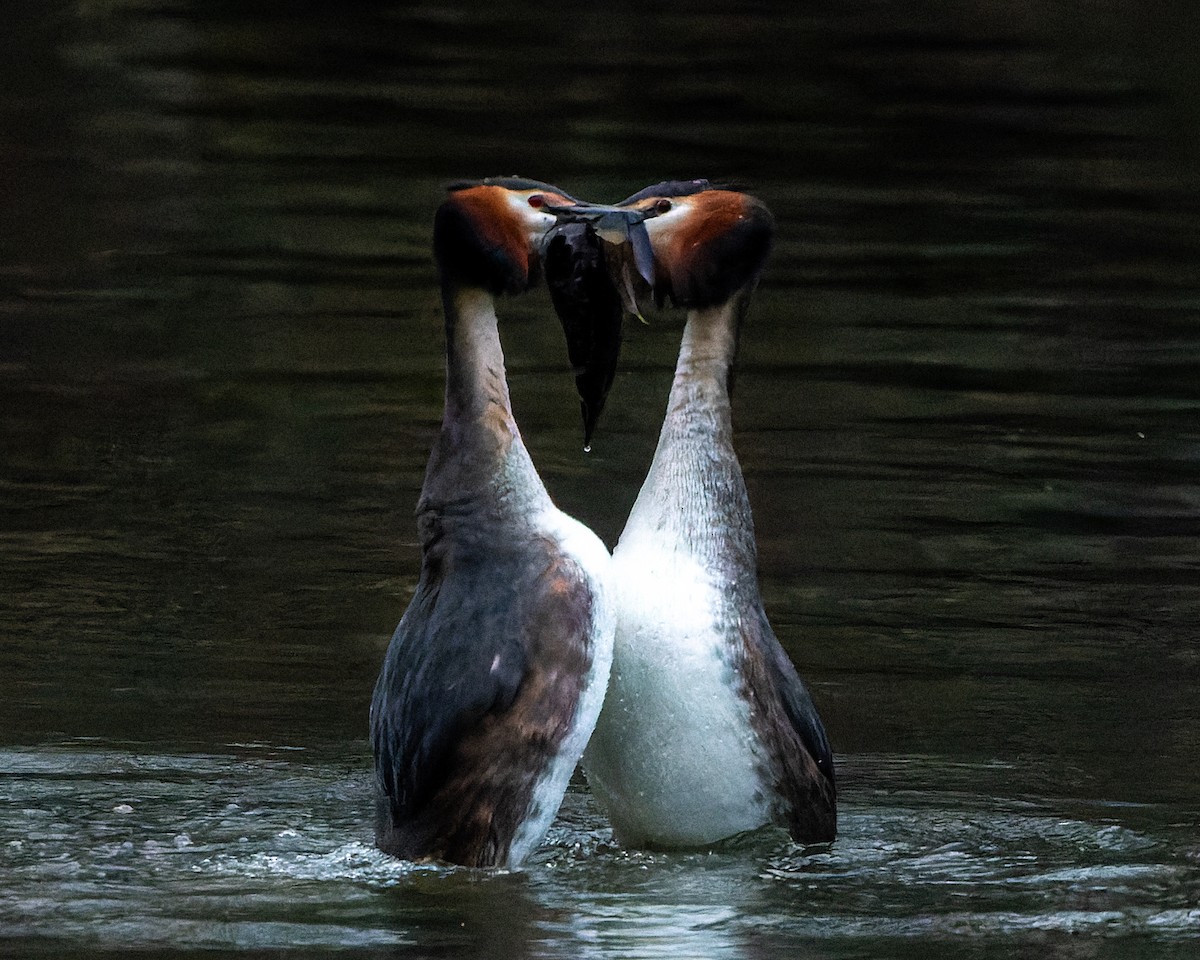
{"x": 709, "y": 243}
{"x": 490, "y": 233}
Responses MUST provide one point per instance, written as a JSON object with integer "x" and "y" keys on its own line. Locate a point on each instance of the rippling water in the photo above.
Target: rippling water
{"x": 967, "y": 411}
{"x": 262, "y": 846}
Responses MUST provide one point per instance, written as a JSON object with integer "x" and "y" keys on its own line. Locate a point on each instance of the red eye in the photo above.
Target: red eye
{"x": 537, "y": 201}
{"x": 662, "y": 206}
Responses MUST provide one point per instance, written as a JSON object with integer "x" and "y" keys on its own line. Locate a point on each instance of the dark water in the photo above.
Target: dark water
{"x": 969, "y": 414}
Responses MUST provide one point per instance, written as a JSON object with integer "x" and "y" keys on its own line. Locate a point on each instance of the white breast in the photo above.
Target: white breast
{"x": 674, "y": 759}
{"x": 580, "y": 543}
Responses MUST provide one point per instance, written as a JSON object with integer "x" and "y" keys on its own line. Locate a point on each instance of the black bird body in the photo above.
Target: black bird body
{"x": 495, "y": 675}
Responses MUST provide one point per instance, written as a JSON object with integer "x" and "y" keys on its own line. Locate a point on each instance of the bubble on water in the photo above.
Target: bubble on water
{"x": 353, "y": 861}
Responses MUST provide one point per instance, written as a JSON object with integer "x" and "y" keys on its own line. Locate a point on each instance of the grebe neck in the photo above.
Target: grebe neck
{"x": 476, "y": 387}
{"x": 479, "y": 467}
{"x": 694, "y": 497}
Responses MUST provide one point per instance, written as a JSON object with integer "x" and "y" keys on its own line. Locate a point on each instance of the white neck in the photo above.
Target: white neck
{"x": 694, "y": 495}
{"x": 702, "y": 371}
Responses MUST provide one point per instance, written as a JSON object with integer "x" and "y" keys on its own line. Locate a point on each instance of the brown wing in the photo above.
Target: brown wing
{"x": 783, "y": 714}
{"x": 458, "y": 756}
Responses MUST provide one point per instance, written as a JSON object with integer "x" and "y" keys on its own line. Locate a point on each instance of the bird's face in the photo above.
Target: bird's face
{"x": 708, "y": 244}
{"x": 490, "y": 233}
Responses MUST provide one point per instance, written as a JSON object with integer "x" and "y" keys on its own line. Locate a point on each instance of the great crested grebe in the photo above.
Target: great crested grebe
{"x": 707, "y": 730}
{"x": 494, "y": 678}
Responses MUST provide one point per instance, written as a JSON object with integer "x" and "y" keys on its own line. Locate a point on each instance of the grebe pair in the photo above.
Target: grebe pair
{"x": 498, "y": 674}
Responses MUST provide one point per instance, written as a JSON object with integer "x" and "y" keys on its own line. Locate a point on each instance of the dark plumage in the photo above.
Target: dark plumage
{"x": 494, "y": 677}
{"x": 479, "y": 688}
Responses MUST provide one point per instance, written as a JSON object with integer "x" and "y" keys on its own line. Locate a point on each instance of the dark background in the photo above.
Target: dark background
{"x": 967, "y": 406}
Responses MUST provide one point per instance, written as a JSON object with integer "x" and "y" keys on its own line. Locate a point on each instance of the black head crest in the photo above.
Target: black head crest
{"x": 509, "y": 183}
{"x": 669, "y": 188}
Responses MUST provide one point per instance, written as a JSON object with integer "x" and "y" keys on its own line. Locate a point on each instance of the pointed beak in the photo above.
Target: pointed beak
{"x": 617, "y": 226}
